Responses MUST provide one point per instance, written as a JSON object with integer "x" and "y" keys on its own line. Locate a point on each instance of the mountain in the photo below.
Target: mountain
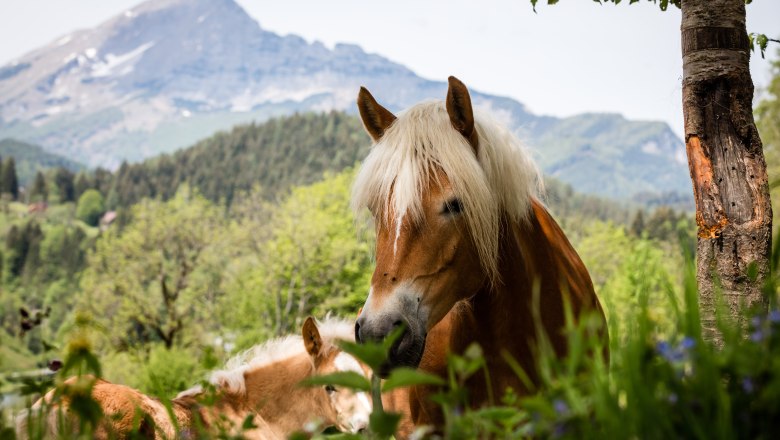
{"x": 169, "y": 72}
{"x": 29, "y": 159}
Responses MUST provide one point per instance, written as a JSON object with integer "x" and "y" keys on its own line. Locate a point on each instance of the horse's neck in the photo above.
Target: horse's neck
{"x": 503, "y": 318}
{"x": 273, "y": 393}
{"x": 538, "y": 268}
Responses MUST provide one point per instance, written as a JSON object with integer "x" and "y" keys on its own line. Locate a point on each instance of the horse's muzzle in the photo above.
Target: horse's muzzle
{"x": 406, "y": 351}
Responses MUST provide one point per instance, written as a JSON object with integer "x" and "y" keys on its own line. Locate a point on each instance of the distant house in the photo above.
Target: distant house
{"x": 37, "y": 208}
{"x": 107, "y": 219}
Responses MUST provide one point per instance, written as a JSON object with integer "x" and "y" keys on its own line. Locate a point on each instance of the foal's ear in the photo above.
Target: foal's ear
{"x": 311, "y": 337}
{"x": 375, "y": 118}
{"x": 460, "y": 111}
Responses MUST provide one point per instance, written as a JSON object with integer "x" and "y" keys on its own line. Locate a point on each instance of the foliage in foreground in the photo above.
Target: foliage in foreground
{"x": 656, "y": 385}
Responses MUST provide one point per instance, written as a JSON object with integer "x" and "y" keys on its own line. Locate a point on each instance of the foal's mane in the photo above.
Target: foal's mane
{"x": 497, "y": 183}
{"x": 231, "y": 378}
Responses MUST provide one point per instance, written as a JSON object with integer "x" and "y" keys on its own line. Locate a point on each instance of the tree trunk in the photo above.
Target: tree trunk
{"x": 733, "y": 209}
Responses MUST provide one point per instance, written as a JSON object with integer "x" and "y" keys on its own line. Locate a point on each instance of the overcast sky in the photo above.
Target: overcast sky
{"x": 577, "y": 56}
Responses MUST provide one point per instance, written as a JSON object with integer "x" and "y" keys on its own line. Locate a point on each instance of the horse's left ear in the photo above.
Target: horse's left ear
{"x": 460, "y": 111}
{"x": 376, "y": 119}
{"x": 311, "y": 337}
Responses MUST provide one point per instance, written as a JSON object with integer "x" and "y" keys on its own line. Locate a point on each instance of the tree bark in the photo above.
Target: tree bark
{"x": 725, "y": 157}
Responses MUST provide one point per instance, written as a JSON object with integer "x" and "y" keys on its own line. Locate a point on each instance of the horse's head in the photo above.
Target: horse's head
{"x": 430, "y": 187}
{"x": 341, "y": 407}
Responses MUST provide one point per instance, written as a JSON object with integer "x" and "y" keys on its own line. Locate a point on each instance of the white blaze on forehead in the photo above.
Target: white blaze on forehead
{"x": 398, "y": 222}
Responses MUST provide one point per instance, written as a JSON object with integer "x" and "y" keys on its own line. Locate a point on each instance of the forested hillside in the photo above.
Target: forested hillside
{"x": 274, "y": 155}
{"x": 31, "y": 158}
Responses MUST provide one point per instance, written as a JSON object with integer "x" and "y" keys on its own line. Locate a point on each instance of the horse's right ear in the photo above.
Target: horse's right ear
{"x": 311, "y": 337}
{"x": 376, "y": 119}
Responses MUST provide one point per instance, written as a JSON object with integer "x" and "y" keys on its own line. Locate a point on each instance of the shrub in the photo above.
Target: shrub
{"x": 90, "y": 207}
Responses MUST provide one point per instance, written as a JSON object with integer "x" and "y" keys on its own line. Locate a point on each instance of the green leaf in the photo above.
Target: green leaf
{"x": 384, "y": 424}
{"x": 249, "y": 423}
{"x": 405, "y": 377}
{"x": 347, "y": 379}
{"x": 373, "y": 355}
{"x": 370, "y": 353}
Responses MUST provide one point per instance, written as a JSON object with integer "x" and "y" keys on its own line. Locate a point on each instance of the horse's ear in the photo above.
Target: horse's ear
{"x": 375, "y": 118}
{"x": 311, "y": 337}
{"x": 460, "y": 111}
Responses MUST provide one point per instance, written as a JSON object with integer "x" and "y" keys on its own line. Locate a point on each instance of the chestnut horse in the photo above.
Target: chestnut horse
{"x": 465, "y": 251}
{"x": 263, "y": 382}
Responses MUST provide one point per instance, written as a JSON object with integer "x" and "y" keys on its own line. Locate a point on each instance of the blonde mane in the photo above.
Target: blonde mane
{"x": 231, "y": 378}
{"x": 499, "y": 181}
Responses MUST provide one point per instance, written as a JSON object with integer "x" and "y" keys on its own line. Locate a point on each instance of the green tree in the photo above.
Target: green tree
{"x": 311, "y": 262}
{"x": 159, "y": 279}
{"x": 63, "y": 179}
{"x": 90, "y": 207}
{"x": 81, "y": 184}
{"x": 626, "y": 267}
{"x": 10, "y": 182}
{"x": 23, "y": 246}
{"x": 39, "y": 191}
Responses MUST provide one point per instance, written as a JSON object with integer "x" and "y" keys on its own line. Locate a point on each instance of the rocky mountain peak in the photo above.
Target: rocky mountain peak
{"x": 162, "y": 75}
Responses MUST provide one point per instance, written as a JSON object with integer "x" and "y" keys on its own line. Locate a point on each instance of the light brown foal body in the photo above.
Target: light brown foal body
{"x": 462, "y": 240}
{"x": 266, "y": 386}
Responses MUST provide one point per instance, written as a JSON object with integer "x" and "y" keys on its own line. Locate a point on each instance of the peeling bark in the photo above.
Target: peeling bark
{"x": 725, "y": 156}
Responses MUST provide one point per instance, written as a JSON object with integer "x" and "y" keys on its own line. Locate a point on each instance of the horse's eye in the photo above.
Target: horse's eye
{"x": 330, "y": 389}
{"x": 452, "y": 207}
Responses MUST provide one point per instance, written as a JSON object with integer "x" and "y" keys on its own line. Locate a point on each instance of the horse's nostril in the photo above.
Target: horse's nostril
{"x": 362, "y": 431}
{"x": 357, "y": 332}
{"x": 397, "y": 324}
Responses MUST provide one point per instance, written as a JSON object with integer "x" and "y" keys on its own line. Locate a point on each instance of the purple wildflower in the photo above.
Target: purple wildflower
{"x": 687, "y": 343}
{"x": 774, "y": 316}
{"x": 664, "y": 349}
{"x": 672, "y": 354}
{"x": 757, "y": 336}
{"x": 747, "y": 385}
{"x": 560, "y": 407}
{"x": 756, "y": 321}
{"x": 559, "y": 430}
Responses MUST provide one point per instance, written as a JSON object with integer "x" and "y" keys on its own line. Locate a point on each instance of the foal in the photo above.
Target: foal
{"x": 262, "y": 382}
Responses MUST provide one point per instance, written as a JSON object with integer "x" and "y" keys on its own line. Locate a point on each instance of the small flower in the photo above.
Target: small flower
{"x": 669, "y": 353}
{"x": 559, "y": 430}
{"x": 757, "y": 336}
{"x": 747, "y": 385}
{"x": 560, "y": 407}
{"x": 756, "y": 321}
{"x": 672, "y": 398}
{"x": 774, "y": 316}
{"x": 664, "y": 349}
{"x": 687, "y": 343}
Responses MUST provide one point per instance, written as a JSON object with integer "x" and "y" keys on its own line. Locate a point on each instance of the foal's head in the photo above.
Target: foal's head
{"x": 346, "y": 410}
{"x": 267, "y": 378}
{"x": 439, "y": 185}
